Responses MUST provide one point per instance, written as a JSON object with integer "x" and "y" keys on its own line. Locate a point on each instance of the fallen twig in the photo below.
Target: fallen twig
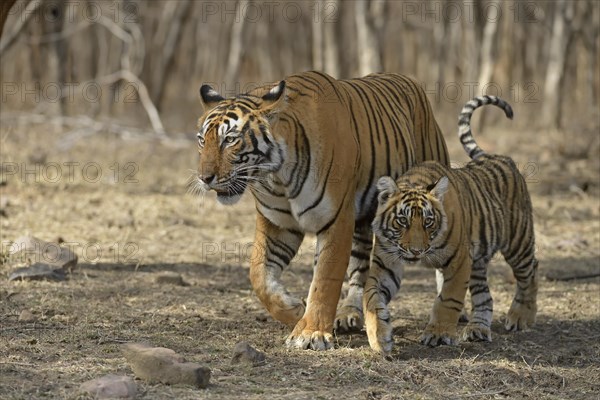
{"x": 552, "y": 277}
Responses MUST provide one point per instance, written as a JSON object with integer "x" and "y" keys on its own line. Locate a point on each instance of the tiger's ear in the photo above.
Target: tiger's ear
{"x": 274, "y": 99}
{"x": 210, "y": 97}
{"x": 439, "y": 188}
{"x": 386, "y": 187}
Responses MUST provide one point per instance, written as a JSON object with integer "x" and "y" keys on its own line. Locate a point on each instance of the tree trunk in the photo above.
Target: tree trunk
{"x": 559, "y": 39}
{"x": 487, "y": 60}
{"x": 169, "y": 43}
{"x": 236, "y": 47}
{"x": 369, "y": 57}
{"x": 317, "y": 39}
{"x": 330, "y": 54}
{"x": 4, "y": 10}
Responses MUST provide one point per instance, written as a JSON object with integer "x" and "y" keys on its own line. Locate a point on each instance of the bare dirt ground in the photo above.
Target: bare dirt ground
{"x": 129, "y": 219}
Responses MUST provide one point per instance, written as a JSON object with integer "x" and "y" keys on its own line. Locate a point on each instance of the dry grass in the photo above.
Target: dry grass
{"x": 114, "y": 298}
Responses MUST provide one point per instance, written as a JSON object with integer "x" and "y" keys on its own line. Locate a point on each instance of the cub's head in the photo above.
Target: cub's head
{"x": 409, "y": 217}
{"x": 235, "y": 142}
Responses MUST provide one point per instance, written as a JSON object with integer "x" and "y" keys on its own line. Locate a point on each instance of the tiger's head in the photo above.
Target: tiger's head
{"x": 235, "y": 141}
{"x": 409, "y": 217}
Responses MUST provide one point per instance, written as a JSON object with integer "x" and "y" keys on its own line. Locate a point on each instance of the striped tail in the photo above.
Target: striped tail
{"x": 464, "y": 122}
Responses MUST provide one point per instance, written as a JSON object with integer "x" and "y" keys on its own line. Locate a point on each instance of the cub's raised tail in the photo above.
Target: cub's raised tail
{"x": 464, "y": 122}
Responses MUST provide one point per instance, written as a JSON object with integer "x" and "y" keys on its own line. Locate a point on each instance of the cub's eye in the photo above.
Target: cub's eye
{"x": 402, "y": 220}
{"x": 428, "y": 222}
{"x": 229, "y": 139}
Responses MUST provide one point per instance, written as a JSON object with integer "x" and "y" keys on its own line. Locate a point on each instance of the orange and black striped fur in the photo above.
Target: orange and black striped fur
{"x": 310, "y": 150}
{"x": 454, "y": 220}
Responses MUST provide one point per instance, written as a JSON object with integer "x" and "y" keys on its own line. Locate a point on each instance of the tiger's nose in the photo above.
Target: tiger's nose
{"x": 208, "y": 179}
{"x": 417, "y": 252}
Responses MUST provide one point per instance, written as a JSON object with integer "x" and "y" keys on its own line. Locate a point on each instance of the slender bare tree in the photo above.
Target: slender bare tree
{"x": 4, "y": 11}
{"x": 236, "y": 45}
{"x": 559, "y": 39}
{"x": 168, "y": 37}
{"x": 369, "y": 56}
{"x": 487, "y": 58}
{"x": 331, "y": 58}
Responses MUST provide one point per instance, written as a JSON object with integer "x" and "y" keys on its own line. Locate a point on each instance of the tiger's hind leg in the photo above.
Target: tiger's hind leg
{"x": 382, "y": 284}
{"x": 479, "y": 328}
{"x": 349, "y": 317}
{"x": 520, "y": 256}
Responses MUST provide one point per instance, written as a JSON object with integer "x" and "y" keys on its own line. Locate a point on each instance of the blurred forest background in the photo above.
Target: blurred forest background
{"x": 136, "y": 66}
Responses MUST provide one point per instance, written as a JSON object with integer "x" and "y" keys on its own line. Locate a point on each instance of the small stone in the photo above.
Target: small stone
{"x": 38, "y": 271}
{"x": 41, "y": 252}
{"x": 244, "y": 353}
{"x": 262, "y": 318}
{"x": 38, "y": 156}
{"x": 110, "y": 387}
{"x": 26, "y": 316}
{"x": 170, "y": 278}
{"x": 159, "y": 364}
{"x": 4, "y": 203}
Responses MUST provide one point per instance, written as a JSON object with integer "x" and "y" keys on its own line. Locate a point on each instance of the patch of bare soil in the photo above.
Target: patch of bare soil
{"x": 122, "y": 207}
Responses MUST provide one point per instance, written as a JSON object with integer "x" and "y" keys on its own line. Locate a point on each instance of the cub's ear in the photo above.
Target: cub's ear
{"x": 386, "y": 187}
{"x": 274, "y": 100}
{"x": 210, "y": 97}
{"x": 439, "y": 188}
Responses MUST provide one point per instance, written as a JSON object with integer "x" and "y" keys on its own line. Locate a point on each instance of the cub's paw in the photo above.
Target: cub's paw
{"x": 521, "y": 316}
{"x": 379, "y": 331}
{"x": 477, "y": 333}
{"x": 348, "y": 319}
{"x": 435, "y": 335}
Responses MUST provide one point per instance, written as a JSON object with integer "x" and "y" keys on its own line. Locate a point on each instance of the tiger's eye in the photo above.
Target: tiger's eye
{"x": 428, "y": 221}
{"x": 402, "y": 220}
{"x": 229, "y": 139}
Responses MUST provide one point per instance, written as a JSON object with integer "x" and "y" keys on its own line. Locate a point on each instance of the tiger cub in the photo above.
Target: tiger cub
{"x": 453, "y": 220}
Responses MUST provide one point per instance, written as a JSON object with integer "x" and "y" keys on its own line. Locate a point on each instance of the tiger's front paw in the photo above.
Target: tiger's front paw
{"x": 348, "y": 319}
{"x": 305, "y": 338}
{"x": 521, "y": 316}
{"x": 437, "y": 334}
{"x": 379, "y": 331}
{"x": 477, "y": 333}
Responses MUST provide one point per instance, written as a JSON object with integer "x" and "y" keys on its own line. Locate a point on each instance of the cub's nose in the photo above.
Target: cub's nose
{"x": 417, "y": 252}
{"x": 208, "y": 179}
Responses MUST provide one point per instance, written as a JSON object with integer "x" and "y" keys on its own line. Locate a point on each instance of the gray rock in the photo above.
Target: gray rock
{"x": 110, "y": 387}
{"x": 244, "y": 353}
{"x": 170, "y": 278}
{"x": 26, "y": 316}
{"x": 4, "y": 203}
{"x": 38, "y": 271}
{"x": 40, "y": 252}
{"x": 158, "y": 364}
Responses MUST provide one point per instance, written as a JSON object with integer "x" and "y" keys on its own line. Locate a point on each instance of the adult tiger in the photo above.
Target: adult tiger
{"x": 311, "y": 149}
{"x": 454, "y": 220}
